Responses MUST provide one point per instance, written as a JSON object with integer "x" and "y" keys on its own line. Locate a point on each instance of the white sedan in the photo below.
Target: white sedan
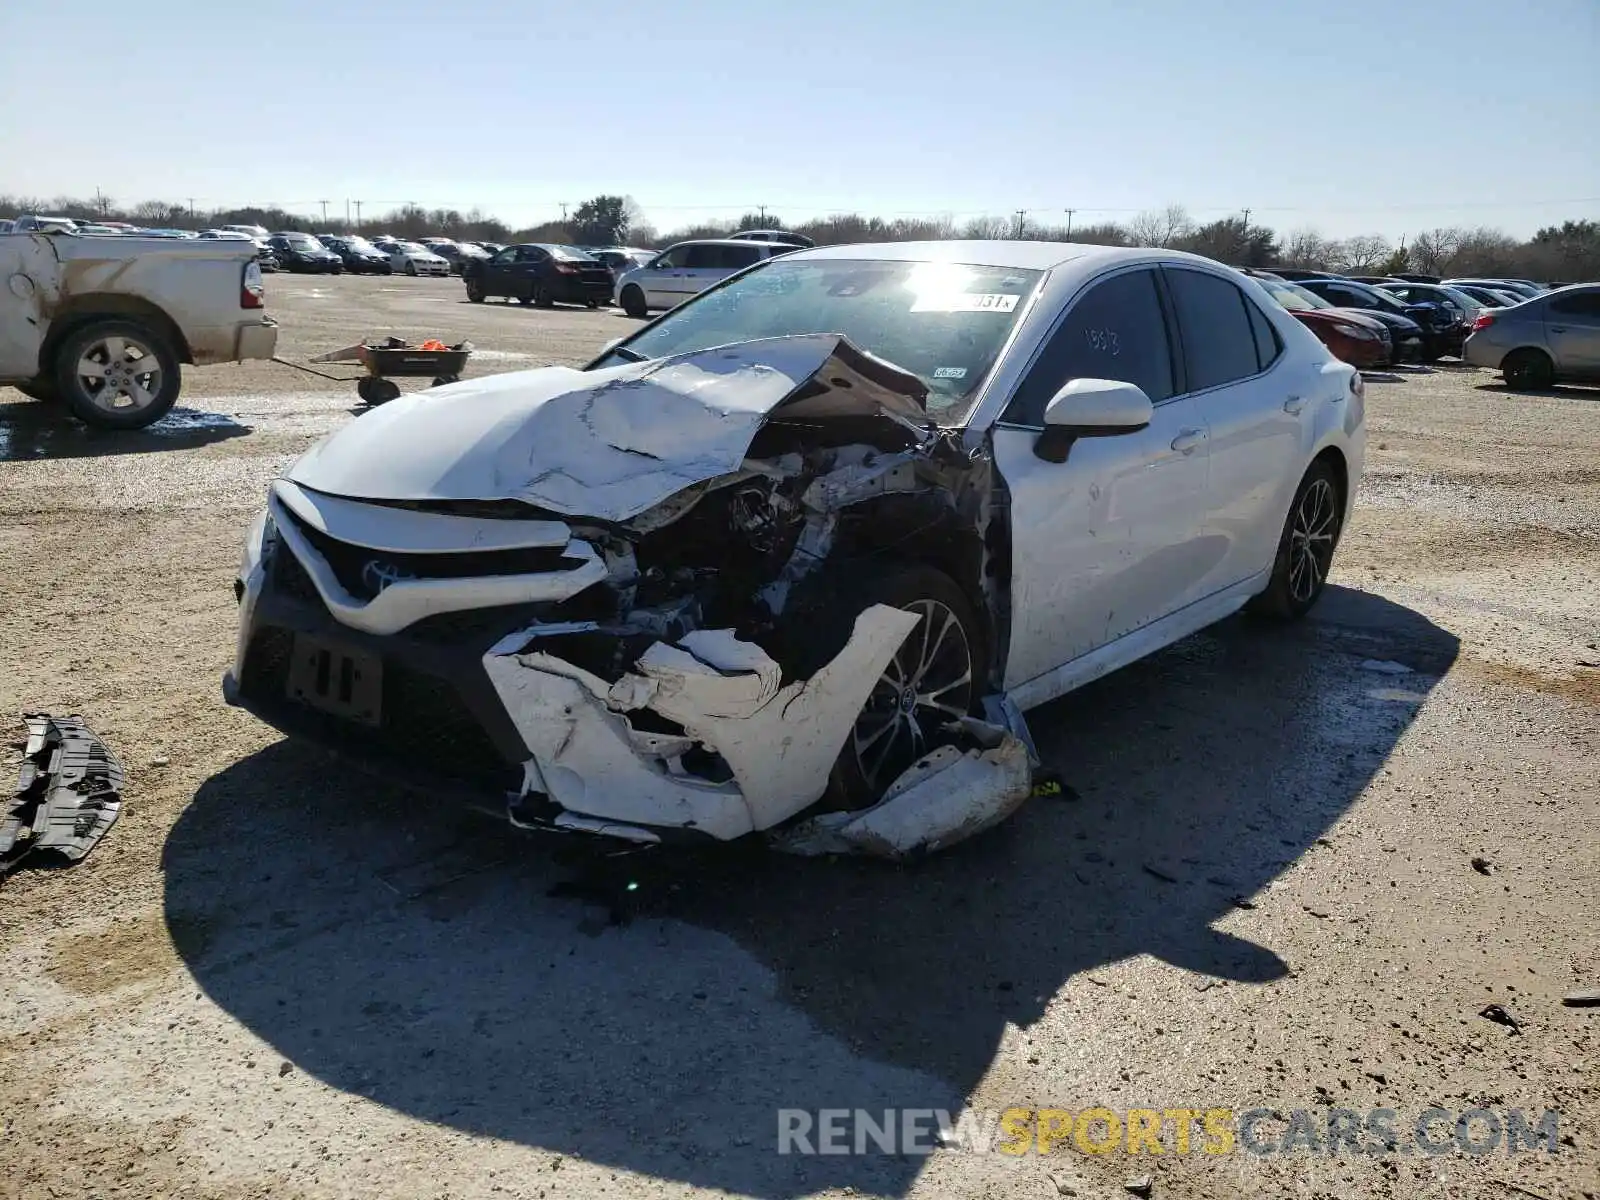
{"x": 412, "y": 258}
{"x": 794, "y": 557}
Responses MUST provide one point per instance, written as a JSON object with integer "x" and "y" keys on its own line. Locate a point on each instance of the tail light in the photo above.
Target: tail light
{"x": 1483, "y": 322}
{"x": 252, "y": 292}
{"x": 566, "y": 269}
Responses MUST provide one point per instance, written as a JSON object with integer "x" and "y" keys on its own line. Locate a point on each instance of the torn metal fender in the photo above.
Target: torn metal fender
{"x": 779, "y": 742}
{"x": 68, "y": 795}
{"x": 943, "y": 798}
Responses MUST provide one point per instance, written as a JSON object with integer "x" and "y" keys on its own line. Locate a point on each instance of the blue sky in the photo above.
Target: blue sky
{"x": 1350, "y": 117}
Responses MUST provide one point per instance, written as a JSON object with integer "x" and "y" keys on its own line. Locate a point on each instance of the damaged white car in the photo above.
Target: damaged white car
{"x": 795, "y": 557}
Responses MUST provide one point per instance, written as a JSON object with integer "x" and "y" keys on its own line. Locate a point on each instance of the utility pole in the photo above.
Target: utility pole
{"x": 100, "y": 201}
{"x": 563, "y": 212}
{"x": 347, "y": 212}
{"x": 324, "y": 204}
{"x": 1069, "y": 212}
{"x": 763, "y": 209}
{"x": 358, "y": 213}
{"x": 1247, "y": 220}
{"x": 1022, "y": 214}
{"x": 191, "y": 207}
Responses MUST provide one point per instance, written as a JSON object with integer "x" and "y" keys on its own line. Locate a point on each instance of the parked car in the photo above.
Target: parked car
{"x": 255, "y": 231}
{"x": 782, "y": 236}
{"x": 7, "y": 224}
{"x": 1517, "y": 287}
{"x": 97, "y": 231}
{"x": 1298, "y": 274}
{"x": 1553, "y": 338}
{"x": 1431, "y": 332}
{"x": 414, "y": 259}
{"x": 539, "y": 273}
{"x": 459, "y": 254}
{"x": 360, "y": 257}
{"x": 300, "y": 253}
{"x": 1436, "y": 293}
{"x": 1352, "y": 336}
{"x": 434, "y": 242}
{"x": 688, "y": 269}
{"x": 37, "y": 224}
{"x": 594, "y": 598}
{"x": 619, "y": 259}
{"x": 106, "y": 321}
{"x": 1488, "y": 297}
{"x": 1415, "y": 278}
{"x": 490, "y": 247}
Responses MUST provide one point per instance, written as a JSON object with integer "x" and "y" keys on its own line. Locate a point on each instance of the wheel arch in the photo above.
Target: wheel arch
{"x": 83, "y": 310}
{"x": 1340, "y": 466}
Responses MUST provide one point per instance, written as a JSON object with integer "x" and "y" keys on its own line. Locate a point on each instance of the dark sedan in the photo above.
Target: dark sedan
{"x": 539, "y": 273}
{"x": 303, "y": 254}
{"x": 360, "y": 257}
{"x": 1435, "y": 330}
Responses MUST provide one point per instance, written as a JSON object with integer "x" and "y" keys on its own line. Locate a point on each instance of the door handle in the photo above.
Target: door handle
{"x": 1293, "y": 405}
{"x": 1186, "y": 441}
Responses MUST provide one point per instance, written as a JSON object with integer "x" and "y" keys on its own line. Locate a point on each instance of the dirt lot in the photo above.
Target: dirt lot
{"x": 277, "y": 978}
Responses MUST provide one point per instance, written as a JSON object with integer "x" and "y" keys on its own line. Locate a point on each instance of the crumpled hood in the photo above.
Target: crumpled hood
{"x": 607, "y": 444}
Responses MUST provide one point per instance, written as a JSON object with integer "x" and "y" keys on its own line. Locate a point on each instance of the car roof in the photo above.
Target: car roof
{"x": 1029, "y": 255}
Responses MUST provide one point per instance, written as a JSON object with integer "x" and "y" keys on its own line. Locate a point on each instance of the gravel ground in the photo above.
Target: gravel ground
{"x": 277, "y": 978}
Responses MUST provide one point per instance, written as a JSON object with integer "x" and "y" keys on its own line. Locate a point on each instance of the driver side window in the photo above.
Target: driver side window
{"x": 669, "y": 259}
{"x": 505, "y": 256}
{"x": 1115, "y": 330}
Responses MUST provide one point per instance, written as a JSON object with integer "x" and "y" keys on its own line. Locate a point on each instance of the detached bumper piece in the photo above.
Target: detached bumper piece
{"x": 69, "y": 793}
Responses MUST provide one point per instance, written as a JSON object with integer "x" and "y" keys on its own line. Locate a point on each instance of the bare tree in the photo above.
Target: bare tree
{"x": 1160, "y": 227}
{"x": 1430, "y": 251}
{"x": 1307, "y": 248}
{"x": 988, "y": 228}
{"x": 1361, "y": 253}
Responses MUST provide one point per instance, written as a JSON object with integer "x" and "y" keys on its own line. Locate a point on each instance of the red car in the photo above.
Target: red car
{"x": 1351, "y": 335}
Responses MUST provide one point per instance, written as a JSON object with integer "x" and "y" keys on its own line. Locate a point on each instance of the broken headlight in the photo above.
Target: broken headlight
{"x": 258, "y": 544}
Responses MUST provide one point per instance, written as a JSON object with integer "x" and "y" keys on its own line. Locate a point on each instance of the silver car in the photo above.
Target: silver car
{"x": 686, "y": 270}
{"x": 1554, "y": 337}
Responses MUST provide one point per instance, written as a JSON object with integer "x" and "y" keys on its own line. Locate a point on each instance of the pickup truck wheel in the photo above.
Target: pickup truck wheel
{"x": 633, "y": 302}
{"x": 475, "y": 291}
{"x": 117, "y": 375}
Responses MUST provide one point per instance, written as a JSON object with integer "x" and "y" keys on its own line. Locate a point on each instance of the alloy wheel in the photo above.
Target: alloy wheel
{"x": 1311, "y": 540}
{"x": 926, "y": 685}
{"x": 119, "y": 373}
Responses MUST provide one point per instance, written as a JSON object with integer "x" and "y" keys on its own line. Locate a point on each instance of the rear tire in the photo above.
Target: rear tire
{"x": 41, "y": 388}
{"x": 542, "y": 297}
{"x": 1305, "y": 549}
{"x": 1528, "y": 370}
{"x": 117, "y": 375}
{"x": 633, "y": 302}
{"x": 475, "y": 291}
{"x": 411, "y": 270}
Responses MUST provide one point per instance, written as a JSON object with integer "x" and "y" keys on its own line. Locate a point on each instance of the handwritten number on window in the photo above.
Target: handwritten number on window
{"x": 1104, "y": 340}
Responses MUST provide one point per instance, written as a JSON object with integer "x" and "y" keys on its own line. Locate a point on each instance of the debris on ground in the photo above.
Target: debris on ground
{"x": 1141, "y": 1185}
{"x": 1047, "y": 785}
{"x": 68, "y": 794}
{"x": 1497, "y": 1014}
{"x": 1482, "y": 865}
{"x": 943, "y": 798}
{"x": 1584, "y": 999}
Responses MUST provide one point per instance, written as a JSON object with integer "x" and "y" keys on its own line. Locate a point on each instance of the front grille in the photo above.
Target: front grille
{"x": 290, "y": 578}
{"x": 424, "y": 722}
{"x": 350, "y": 563}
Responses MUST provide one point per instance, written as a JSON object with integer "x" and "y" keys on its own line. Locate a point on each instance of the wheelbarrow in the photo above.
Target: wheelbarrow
{"x": 391, "y": 359}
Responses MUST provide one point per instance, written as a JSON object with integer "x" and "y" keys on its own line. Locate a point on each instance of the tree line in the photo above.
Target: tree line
{"x": 1568, "y": 252}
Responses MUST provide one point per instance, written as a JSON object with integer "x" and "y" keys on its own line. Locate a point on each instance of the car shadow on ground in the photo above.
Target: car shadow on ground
{"x": 420, "y": 959}
{"x": 30, "y": 429}
{"x": 1568, "y": 390}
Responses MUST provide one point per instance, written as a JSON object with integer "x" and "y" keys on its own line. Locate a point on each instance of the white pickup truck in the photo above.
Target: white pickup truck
{"x": 102, "y": 323}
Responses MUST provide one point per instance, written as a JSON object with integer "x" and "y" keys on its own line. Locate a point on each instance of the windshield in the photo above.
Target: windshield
{"x": 943, "y": 322}
{"x": 1295, "y": 299}
{"x": 302, "y": 241}
{"x": 357, "y": 243}
{"x": 413, "y": 248}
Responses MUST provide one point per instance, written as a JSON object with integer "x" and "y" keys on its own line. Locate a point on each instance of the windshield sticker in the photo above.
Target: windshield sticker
{"x": 954, "y": 302}
{"x": 949, "y": 372}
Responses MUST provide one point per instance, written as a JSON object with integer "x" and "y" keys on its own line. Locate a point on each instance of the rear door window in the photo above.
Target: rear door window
{"x": 738, "y": 257}
{"x": 702, "y": 257}
{"x": 1584, "y": 306}
{"x": 1219, "y": 342}
{"x": 1116, "y": 330}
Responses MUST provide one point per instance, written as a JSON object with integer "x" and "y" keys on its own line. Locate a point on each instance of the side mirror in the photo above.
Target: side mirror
{"x": 1091, "y": 408}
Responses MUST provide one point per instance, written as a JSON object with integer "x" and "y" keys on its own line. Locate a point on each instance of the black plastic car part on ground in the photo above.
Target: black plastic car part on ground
{"x": 540, "y": 274}
{"x": 68, "y": 794}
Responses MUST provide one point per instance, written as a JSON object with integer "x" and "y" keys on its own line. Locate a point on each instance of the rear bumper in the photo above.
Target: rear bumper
{"x": 577, "y": 291}
{"x": 241, "y": 342}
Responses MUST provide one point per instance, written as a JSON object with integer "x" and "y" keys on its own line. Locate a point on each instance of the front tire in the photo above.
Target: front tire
{"x": 1528, "y": 370}
{"x": 475, "y": 291}
{"x": 411, "y": 270}
{"x": 935, "y": 677}
{"x": 633, "y": 302}
{"x": 117, "y": 375}
{"x": 1305, "y": 550}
